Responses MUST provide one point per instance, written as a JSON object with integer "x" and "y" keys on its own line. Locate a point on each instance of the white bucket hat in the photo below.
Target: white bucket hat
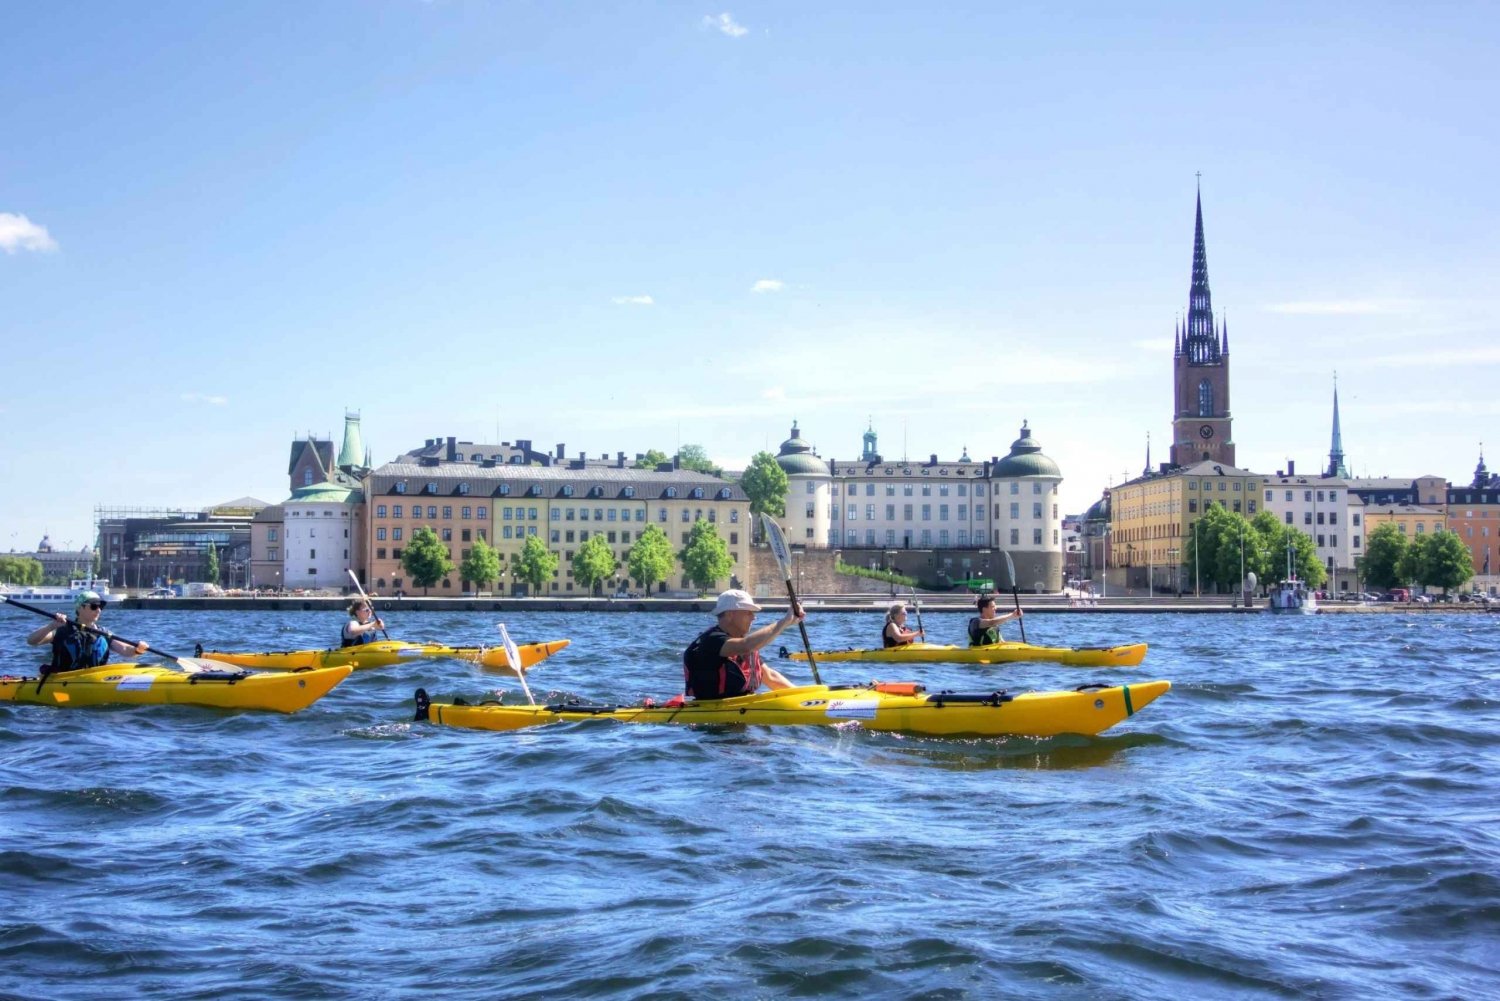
{"x": 735, "y": 600}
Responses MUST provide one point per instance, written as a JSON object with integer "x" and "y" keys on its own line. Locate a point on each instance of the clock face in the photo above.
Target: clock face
{"x": 1206, "y": 431}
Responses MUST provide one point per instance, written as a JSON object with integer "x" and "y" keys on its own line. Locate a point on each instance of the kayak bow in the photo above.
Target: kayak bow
{"x": 384, "y": 653}
{"x": 1128, "y": 655}
{"x": 142, "y": 684}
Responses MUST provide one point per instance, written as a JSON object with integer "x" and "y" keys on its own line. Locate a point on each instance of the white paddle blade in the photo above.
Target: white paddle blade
{"x": 513, "y": 657}
{"x": 777, "y": 541}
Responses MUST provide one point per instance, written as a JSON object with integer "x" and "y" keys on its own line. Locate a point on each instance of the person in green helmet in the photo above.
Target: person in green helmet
{"x": 81, "y": 642}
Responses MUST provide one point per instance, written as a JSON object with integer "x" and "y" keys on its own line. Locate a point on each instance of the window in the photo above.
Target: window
{"x": 853, "y": 513}
{"x": 271, "y": 535}
{"x": 1015, "y": 536}
{"x": 431, "y": 511}
{"x": 927, "y": 490}
{"x": 431, "y": 487}
{"x": 926, "y": 512}
{"x": 890, "y": 489}
{"x": 312, "y": 554}
{"x": 869, "y": 512}
{"x": 1307, "y": 517}
{"x": 1015, "y": 509}
{"x": 396, "y": 533}
{"x": 979, "y": 490}
{"x": 811, "y": 510}
{"x": 629, "y": 491}
{"x": 926, "y": 536}
{"x": 307, "y": 477}
{"x": 380, "y": 510}
{"x": 890, "y": 512}
{"x": 465, "y": 536}
{"x": 672, "y": 491}
{"x": 447, "y": 511}
{"x": 396, "y": 511}
{"x": 531, "y": 516}
{"x": 1036, "y": 510}
{"x": 942, "y": 537}
{"x": 906, "y": 489}
{"x": 465, "y": 512}
{"x": 942, "y": 512}
{"x": 463, "y": 488}
{"x": 1015, "y": 488}
{"x": 1036, "y": 536}
{"x": 505, "y": 531}
{"x": 273, "y": 554}
{"x": 380, "y": 534}
{"x": 697, "y": 493}
{"x": 906, "y": 512}
{"x": 734, "y": 516}
{"x": 380, "y": 554}
{"x": 401, "y": 487}
{"x": 640, "y": 514}
{"x": 890, "y": 536}
{"x": 686, "y": 516}
{"x": 661, "y": 514}
{"x": 556, "y": 533}
{"x": 567, "y": 491}
{"x": 1205, "y": 399}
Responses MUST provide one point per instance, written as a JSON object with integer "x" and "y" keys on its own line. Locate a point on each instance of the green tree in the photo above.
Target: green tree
{"x": 1448, "y": 563}
{"x": 211, "y": 575}
{"x": 1276, "y": 539}
{"x": 426, "y": 558}
{"x": 694, "y": 457}
{"x": 1384, "y": 550}
{"x": 705, "y": 559}
{"x": 594, "y": 563}
{"x": 765, "y": 483}
{"x": 652, "y": 459}
{"x": 481, "y": 566}
{"x": 535, "y": 565}
{"x": 1228, "y": 547}
{"x": 650, "y": 559}
{"x": 20, "y": 570}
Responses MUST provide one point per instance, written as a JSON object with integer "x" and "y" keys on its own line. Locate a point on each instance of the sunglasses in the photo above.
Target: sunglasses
{"x": 97, "y": 606}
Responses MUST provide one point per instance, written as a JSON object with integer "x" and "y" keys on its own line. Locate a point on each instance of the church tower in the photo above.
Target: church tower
{"x": 1200, "y": 369}
{"x": 1336, "y": 467}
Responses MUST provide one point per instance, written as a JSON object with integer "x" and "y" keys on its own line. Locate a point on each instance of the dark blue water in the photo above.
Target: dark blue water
{"x": 1312, "y": 811}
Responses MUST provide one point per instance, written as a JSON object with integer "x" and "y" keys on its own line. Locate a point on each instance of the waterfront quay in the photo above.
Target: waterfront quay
{"x": 815, "y": 604}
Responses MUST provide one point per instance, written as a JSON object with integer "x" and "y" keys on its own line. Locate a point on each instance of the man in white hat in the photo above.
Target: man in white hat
{"x": 724, "y": 660}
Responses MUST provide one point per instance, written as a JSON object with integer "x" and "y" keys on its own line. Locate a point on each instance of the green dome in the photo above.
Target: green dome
{"x": 797, "y": 458}
{"x": 1025, "y": 459}
{"x": 322, "y": 493}
{"x": 1099, "y": 512}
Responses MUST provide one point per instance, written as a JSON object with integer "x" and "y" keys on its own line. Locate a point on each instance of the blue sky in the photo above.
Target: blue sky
{"x": 629, "y": 226}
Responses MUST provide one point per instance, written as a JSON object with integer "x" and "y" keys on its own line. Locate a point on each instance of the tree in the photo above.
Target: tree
{"x": 1440, "y": 560}
{"x": 650, "y": 559}
{"x": 705, "y": 559}
{"x": 1384, "y": 550}
{"x": 1276, "y": 539}
{"x": 765, "y": 483}
{"x": 535, "y": 565}
{"x": 481, "y": 566}
{"x": 20, "y": 570}
{"x": 694, "y": 457}
{"x": 211, "y": 575}
{"x": 594, "y": 563}
{"x": 426, "y": 558}
{"x": 652, "y": 459}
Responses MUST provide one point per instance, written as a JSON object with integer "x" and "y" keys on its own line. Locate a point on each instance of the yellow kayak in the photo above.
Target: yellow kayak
{"x": 141, "y": 684}
{"x": 903, "y": 707}
{"x": 1128, "y": 655}
{"x": 384, "y": 653}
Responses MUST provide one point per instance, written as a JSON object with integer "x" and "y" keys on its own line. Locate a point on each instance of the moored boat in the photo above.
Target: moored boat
{"x": 902, "y": 707}
{"x": 1128, "y": 655}
{"x": 384, "y": 653}
{"x": 1292, "y": 595}
{"x": 142, "y": 684}
{"x": 56, "y": 598}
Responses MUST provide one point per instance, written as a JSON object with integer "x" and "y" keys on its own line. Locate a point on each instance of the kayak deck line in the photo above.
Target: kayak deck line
{"x": 1123, "y": 655}
{"x": 385, "y": 653}
{"x": 140, "y": 684}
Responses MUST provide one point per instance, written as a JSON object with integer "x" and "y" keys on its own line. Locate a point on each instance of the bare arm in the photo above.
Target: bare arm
{"x": 765, "y": 634}
{"x": 44, "y": 633}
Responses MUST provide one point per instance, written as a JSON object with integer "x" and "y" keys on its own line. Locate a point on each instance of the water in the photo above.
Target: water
{"x": 1310, "y": 812}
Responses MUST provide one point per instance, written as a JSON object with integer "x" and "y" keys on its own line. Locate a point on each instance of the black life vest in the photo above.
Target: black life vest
{"x": 74, "y": 648}
{"x": 982, "y": 635}
{"x": 357, "y": 639}
{"x": 707, "y": 674}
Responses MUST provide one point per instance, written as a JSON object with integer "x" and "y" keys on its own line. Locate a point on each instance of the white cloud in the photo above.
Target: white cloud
{"x": 217, "y": 401}
{"x": 1437, "y": 358}
{"x": 726, "y": 24}
{"x": 1343, "y": 307}
{"x": 633, "y": 300}
{"x": 19, "y": 233}
{"x": 1154, "y": 345}
{"x": 768, "y": 285}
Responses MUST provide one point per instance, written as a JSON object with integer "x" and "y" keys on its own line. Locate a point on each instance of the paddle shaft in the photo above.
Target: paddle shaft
{"x": 1019, "y": 618}
{"x": 917, "y": 604}
{"x": 367, "y": 600}
{"x": 802, "y": 626}
{"x": 91, "y": 629}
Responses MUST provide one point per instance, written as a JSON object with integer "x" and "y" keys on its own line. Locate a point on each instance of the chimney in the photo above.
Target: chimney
{"x": 1291, "y": 468}
{"x": 619, "y": 460}
{"x": 562, "y": 450}
{"x": 451, "y": 450}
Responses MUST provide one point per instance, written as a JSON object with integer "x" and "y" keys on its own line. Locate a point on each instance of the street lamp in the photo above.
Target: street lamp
{"x": 1176, "y": 571}
{"x": 1197, "y": 581}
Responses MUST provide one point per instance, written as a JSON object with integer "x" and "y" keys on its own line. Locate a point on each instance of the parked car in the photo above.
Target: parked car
{"x": 161, "y": 592}
{"x": 1423, "y": 599}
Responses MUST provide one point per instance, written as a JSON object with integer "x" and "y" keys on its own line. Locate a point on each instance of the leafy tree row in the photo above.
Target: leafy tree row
{"x": 1224, "y": 542}
{"x": 1437, "y": 560}
{"x": 20, "y": 570}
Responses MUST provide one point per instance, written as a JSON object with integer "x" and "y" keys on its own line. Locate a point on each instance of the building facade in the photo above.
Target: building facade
{"x": 1473, "y": 514}
{"x": 1152, "y": 520}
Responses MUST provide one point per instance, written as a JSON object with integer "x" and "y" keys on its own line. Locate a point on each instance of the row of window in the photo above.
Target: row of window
{"x": 567, "y": 490}
{"x": 960, "y": 489}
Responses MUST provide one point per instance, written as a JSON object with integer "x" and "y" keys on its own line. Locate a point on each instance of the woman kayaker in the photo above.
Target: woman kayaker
{"x": 724, "y": 660}
{"x": 895, "y": 632}
{"x": 81, "y": 642}
{"x": 362, "y": 625}
{"x": 984, "y": 629}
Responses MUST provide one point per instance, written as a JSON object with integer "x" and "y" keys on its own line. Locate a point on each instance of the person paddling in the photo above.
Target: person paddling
{"x": 724, "y": 660}
{"x": 363, "y": 624}
{"x": 81, "y": 642}
{"x": 895, "y": 632}
{"x": 984, "y": 629}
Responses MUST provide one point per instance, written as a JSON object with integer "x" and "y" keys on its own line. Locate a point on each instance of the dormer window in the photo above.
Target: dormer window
{"x": 458, "y": 457}
{"x": 671, "y": 491}
{"x": 432, "y": 488}
{"x": 698, "y": 493}
{"x": 505, "y": 490}
{"x": 536, "y": 490}
{"x": 598, "y": 491}
{"x": 401, "y": 486}
{"x": 724, "y": 494}
{"x": 630, "y": 491}
{"x": 463, "y": 488}
{"x": 567, "y": 491}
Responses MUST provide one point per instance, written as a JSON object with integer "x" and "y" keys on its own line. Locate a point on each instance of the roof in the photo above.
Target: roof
{"x": 1025, "y": 459}
{"x": 487, "y": 481}
{"x": 797, "y": 457}
{"x": 325, "y": 493}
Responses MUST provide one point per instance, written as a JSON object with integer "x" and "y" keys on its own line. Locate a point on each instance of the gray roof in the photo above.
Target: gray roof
{"x": 486, "y": 481}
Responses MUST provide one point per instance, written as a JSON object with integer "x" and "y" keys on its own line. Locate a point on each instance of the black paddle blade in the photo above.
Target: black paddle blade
{"x": 424, "y": 706}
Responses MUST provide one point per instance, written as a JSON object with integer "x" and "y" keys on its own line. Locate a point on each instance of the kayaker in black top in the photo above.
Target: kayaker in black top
{"x": 362, "y": 625}
{"x": 724, "y": 661}
{"x": 984, "y": 629}
{"x": 81, "y": 642}
{"x": 895, "y": 632}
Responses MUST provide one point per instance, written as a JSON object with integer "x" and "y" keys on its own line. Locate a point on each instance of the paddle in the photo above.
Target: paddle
{"x": 513, "y": 655}
{"x": 917, "y": 604}
{"x": 1010, "y": 568}
{"x": 777, "y": 542}
{"x": 366, "y": 597}
{"x": 190, "y": 663}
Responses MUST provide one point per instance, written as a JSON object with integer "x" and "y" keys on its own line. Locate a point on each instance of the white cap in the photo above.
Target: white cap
{"x": 735, "y": 600}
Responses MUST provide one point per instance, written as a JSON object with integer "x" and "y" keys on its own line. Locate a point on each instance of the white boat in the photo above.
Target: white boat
{"x": 54, "y": 597}
{"x": 1292, "y": 595}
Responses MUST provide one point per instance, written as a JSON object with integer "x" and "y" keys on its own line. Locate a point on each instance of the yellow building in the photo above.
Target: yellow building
{"x": 1152, "y": 517}
{"x": 563, "y": 504}
{"x": 1413, "y": 520}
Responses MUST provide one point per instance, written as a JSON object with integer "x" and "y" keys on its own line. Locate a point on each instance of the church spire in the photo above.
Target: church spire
{"x": 1147, "y": 470}
{"x": 1336, "y": 465}
{"x": 1201, "y": 343}
{"x": 1481, "y": 475}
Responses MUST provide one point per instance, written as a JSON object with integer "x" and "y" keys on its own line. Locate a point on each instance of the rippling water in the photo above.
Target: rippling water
{"x": 1310, "y": 812}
